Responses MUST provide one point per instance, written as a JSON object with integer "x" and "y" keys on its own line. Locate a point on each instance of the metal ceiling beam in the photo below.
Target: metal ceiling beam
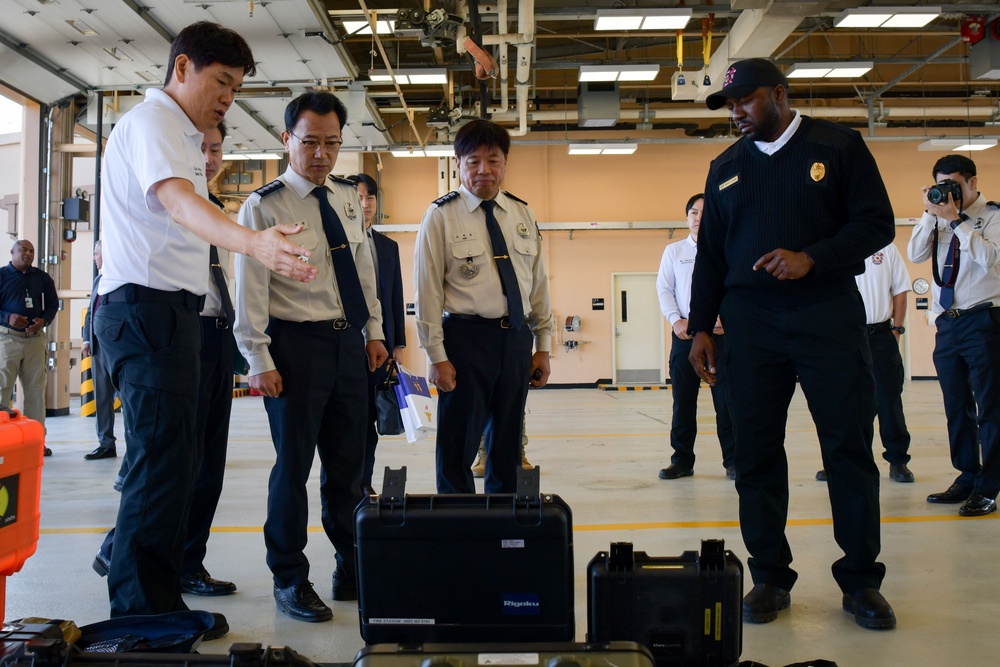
{"x": 27, "y": 53}
{"x": 143, "y": 13}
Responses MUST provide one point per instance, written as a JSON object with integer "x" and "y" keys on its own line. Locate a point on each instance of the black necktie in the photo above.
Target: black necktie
{"x": 508, "y": 279}
{"x": 351, "y": 295}
{"x": 220, "y": 282}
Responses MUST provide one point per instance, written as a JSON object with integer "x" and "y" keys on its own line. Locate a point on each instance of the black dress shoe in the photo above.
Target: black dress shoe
{"x": 821, "y": 475}
{"x": 954, "y": 494}
{"x": 344, "y": 587}
{"x": 47, "y": 452}
{"x": 731, "y": 472}
{"x": 101, "y": 453}
{"x": 978, "y": 505}
{"x": 898, "y": 472}
{"x": 301, "y": 603}
{"x": 763, "y": 602}
{"x": 202, "y": 583}
{"x": 101, "y": 564}
{"x": 870, "y": 609}
{"x": 675, "y": 471}
{"x": 219, "y": 629}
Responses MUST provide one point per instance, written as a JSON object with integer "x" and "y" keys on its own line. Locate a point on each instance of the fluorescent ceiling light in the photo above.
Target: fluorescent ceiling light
{"x": 251, "y": 156}
{"x": 362, "y": 27}
{"x": 833, "y": 70}
{"x": 446, "y": 150}
{"x": 957, "y": 144}
{"x": 117, "y": 54}
{"x": 886, "y": 17}
{"x": 408, "y": 152}
{"x": 602, "y": 149}
{"x": 976, "y": 145}
{"x": 642, "y": 19}
{"x": 412, "y": 76}
{"x": 589, "y": 73}
{"x": 429, "y": 76}
{"x": 81, "y": 27}
{"x": 146, "y": 76}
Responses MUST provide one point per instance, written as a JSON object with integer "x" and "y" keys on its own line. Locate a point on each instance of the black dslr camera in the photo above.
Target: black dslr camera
{"x": 938, "y": 194}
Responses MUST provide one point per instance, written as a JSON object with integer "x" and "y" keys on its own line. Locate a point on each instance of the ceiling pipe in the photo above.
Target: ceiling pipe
{"x": 922, "y": 112}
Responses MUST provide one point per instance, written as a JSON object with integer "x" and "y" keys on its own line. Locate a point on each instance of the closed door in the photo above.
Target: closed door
{"x": 638, "y": 329}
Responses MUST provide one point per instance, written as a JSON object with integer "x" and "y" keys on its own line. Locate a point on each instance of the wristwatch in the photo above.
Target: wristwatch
{"x": 900, "y": 330}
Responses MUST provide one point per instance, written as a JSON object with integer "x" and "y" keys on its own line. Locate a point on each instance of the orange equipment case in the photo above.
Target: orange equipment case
{"x": 22, "y": 443}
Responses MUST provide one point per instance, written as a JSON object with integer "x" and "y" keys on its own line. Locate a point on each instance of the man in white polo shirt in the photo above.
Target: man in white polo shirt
{"x": 883, "y": 288}
{"x": 158, "y": 227}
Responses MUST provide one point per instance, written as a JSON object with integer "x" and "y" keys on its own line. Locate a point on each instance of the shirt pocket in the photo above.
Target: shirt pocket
{"x": 469, "y": 262}
{"x": 524, "y": 255}
{"x": 309, "y": 237}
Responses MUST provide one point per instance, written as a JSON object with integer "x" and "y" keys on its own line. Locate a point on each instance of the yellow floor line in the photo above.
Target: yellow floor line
{"x": 598, "y": 527}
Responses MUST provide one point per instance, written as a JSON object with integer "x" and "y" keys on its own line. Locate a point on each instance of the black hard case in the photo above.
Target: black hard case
{"x": 464, "y": 568}
{"x": 687, "y": 610}
{"x": 619, "y": 654}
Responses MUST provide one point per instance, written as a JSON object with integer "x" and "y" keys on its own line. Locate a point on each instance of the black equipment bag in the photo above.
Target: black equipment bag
{"x": 687, "y": 610}
{"x": 388, "y": 421}
{"x": 620, "y": 654}
{"x": 464, "y": 567}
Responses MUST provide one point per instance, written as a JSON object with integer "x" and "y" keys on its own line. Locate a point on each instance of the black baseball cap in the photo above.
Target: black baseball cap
{"x": 744, "y": 77}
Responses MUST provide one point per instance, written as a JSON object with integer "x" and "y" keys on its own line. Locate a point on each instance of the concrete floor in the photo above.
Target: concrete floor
{"x": 600, "y": 451}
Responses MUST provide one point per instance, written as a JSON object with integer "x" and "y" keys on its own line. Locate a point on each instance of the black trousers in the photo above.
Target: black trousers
{"x": 215, "y": 404}
{"x": 375, "y": 378}
{"x": 104, "y": 398}
{"x": 491, "y": 387}
{"x": 684, "y": 386}
{"x": 323, "y": 407}
{"x": 826, "y": 346}
{"x": 151, "y": 351}
{"x": 967, "y": 359}
{"x": 887, "y": 367}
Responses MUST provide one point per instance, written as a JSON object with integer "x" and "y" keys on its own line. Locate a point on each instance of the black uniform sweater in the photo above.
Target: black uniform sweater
{"x": 821, "y": 193}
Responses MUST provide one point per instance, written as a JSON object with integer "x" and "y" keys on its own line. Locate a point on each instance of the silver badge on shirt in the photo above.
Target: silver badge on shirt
{"x": 349, "y": 210}
{"x": 469, "y": 270}
{"x": 522, "y": 230}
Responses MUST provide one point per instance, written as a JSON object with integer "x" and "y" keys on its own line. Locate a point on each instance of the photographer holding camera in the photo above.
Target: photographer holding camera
{"x": 960, "y": 230}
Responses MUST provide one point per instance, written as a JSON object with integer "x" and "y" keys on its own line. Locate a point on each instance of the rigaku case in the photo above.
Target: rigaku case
{"x": 686, "y": 609}
{"x": 464, "y": 568}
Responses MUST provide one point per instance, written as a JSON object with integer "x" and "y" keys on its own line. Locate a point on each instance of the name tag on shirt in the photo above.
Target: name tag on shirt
{"x": 732, "y": 181}
{"x": 463, "y": 236}
{"x": 29, "y": 302}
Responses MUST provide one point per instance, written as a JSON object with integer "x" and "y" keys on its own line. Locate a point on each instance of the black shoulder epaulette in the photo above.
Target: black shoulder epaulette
{"x": 993, "y": 204}
{"x": 515, "y": 198}
{"x": 270, "y": 188}
{"x": 343, "y": 181}
{"x": 451, "y": 196}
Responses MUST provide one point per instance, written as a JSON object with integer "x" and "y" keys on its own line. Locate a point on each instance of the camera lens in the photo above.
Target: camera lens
{"x": 936, "y": 196}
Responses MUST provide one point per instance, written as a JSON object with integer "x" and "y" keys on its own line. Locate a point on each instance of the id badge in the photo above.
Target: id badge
{"x": 29, "y": 302}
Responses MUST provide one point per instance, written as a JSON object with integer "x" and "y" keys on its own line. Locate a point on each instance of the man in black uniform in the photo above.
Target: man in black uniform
{"x": 791, "y": 212}
{"x": 104, "y": 392}
{"x": 28, "y": 303}
{"x": 389, "y": 285}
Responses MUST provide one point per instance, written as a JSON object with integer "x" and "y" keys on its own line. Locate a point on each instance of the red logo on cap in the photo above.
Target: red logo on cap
{"x": 730, "y": 73}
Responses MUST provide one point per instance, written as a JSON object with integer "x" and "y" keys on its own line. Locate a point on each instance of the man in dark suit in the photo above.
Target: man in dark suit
{"x": 104, "y": 392}
{"x": 389, "y": 280}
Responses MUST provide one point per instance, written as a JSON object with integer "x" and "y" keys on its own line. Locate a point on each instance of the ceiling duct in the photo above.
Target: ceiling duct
{"x": 984, "y": 55}
{"x": 599, "y": 104}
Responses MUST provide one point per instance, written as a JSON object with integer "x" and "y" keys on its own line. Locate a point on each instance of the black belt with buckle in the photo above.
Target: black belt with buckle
{"x": 954, "y": 313}
{"x": 131, "y": 293}
{"x": 341, "y": 324}
{"x": 502, "y": 322}
{"x": 880, "y": 327}
{"x": 220, "y": 323}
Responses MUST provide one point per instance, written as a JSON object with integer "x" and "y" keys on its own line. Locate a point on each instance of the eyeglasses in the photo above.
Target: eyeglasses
{"x": 330, "y": 145}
